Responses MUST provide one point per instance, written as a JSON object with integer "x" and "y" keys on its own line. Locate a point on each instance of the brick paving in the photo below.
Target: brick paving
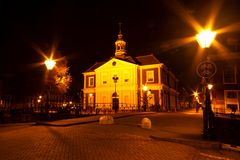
{"x": 122, "y": 140}
{"x": 90, "y": 141}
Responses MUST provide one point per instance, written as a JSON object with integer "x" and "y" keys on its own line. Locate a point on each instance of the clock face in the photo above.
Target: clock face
{"x": 114, "y": 63}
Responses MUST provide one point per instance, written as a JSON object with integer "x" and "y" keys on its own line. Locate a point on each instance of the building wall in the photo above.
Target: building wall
{"x": 126, "y": 86}
{"x": 226, "y": 91}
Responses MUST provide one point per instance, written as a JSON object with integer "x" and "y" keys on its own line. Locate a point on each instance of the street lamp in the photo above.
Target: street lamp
{"x": 115, "y": 79}
{"x": 90, "y": 100}
{"x": 146, "y": 92}
{"x": 205, "y": 39}
{"x": 39, "y": 108}
{"x": 49, "y": 63}
{"x": 115, "y": 95}
{"x": 196, "y": 96}
{"x": 196, "y": 99}
{"x": 210, "y": 86}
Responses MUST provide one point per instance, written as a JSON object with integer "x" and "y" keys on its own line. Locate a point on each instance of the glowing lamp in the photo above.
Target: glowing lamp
{"x": 145, "y": 88}
{"x": 195, "y": 94}
{"x": 210, "y": 86}
{"x": 205, "y": 38}
{"x": 50, "y": 64}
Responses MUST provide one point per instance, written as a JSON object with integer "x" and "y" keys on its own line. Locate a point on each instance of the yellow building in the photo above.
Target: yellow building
{"x": 124, "y": 82}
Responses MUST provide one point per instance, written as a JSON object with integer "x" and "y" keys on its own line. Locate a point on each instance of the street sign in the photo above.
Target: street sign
{"x": 206, "y": 69}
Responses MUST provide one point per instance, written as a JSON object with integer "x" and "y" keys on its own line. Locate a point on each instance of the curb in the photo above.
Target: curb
{"x": 193, "y": 143}
{"x": 229, "y": 147}
{"x": 64, "y": 125}
{"x": 16, "y": 124}
{"x": 199, "y": 144}
{"x": 86, "y": 121}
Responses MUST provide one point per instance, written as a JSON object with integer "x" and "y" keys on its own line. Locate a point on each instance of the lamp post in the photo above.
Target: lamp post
{"x": 39, "y": 104}
{"x": 115, "y": 95}
{"x": 206, "y": 70}
{"x": 90, "y": 95}
{"x": 115, "y": 79}
{"x": 90, "y": 106}
{"x": 146, "y": 92}
{"x": 196, "y": 99}
{"x": 49, "y": 63}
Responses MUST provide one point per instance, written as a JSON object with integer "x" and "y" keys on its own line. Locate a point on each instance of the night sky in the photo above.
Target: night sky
{"x": 85, "y": 31}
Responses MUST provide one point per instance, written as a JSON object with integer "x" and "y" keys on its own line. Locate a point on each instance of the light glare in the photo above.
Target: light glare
{"x": 145, "y": 88}
{"x": 210, "y": 86}
{"x": 205, "y": 38}
{"x": 50, "y": 64}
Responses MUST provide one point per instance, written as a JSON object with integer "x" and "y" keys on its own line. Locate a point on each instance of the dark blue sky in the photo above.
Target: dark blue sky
{"x": 85, "y": 32}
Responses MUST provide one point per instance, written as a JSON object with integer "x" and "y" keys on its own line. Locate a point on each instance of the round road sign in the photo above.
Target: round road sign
{"x": 206, "y": 69}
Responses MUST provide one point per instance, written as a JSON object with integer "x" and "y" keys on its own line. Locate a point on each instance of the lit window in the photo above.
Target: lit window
{"x": 91, "y": 81}
{"x": 150, "y": 76}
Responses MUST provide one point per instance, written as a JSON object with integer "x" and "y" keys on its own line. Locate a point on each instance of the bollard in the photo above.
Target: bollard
{"x": 146, "y": 123}
{"x": 107, "y": 119}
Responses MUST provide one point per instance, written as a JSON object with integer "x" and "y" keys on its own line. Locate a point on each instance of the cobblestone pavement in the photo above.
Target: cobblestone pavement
{"x": 122, "y": 140}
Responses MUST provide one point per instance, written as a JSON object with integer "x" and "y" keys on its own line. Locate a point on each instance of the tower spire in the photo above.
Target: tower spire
{"x": 120, "y": 44}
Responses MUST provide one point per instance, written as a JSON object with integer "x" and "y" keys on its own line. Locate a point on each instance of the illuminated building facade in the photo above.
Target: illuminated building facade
{"x": 118, "y": 83}
{"x": 226, "y": 83}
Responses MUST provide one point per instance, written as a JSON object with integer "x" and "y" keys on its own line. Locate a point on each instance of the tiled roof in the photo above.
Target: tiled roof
{"x": 147, "y": 59}
{"x": 141, "y": 60}
{"x": 126, "y": 58}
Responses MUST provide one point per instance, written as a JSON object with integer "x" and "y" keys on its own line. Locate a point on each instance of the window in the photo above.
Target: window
{"x": 229, "y": 74}
{"x": 231, "y": 94}
{"x": 126, "y": 77}
{"x": 150, "y": 76}
{"x": 104, "y": 79}
{"x": 126, "y": 99}
{"x": 91, "y": 81}
{"x": 104, "y": 82}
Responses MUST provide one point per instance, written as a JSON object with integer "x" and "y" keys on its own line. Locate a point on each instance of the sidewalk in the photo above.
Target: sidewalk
{"x": 191, "y": 136}
{"x": 95, "y": 118}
